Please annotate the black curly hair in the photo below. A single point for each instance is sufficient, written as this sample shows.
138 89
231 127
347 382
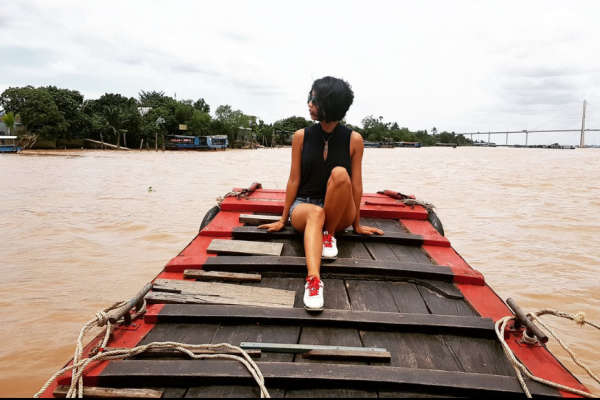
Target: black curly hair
333 98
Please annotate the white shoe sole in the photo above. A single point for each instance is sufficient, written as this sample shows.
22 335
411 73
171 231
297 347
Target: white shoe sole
328 258
315 310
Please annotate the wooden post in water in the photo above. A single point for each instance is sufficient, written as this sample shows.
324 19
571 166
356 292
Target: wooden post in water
582 143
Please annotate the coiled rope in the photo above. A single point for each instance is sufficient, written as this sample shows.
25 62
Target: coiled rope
221 199
522 371
79 365
414 202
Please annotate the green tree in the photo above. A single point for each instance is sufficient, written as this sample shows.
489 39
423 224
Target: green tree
184 113
153 98
114 121
201 105
9 121
199 124
40 115
14 98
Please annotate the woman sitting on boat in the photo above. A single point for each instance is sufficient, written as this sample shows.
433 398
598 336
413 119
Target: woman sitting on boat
324 189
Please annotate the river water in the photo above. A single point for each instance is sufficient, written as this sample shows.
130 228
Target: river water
80 230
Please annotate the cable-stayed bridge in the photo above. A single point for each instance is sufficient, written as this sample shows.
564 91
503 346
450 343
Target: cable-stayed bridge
572 120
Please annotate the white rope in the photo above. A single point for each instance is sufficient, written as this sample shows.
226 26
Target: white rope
79 365
221 199
414 202
522 371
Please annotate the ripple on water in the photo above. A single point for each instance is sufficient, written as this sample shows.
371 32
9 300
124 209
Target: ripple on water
77 240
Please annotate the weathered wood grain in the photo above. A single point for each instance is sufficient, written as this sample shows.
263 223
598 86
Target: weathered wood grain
390 321
298 376
172 353
231 392
220 276
252 233
347 355
303 348
219 293
107 393
254 219
220 246
342 268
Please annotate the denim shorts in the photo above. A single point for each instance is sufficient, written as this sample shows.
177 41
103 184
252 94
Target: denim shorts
304 200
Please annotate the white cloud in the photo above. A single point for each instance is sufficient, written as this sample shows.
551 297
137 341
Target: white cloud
459 66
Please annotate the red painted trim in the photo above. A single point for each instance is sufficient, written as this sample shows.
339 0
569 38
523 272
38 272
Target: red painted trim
487 303
122 338
222 225
425 229
367 211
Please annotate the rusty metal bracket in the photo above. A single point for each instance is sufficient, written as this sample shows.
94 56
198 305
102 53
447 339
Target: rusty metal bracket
531 329
249 191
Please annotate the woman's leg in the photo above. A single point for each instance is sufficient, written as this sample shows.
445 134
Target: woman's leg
309 219
340 209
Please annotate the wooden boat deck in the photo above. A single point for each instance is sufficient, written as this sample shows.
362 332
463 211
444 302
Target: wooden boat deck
383 292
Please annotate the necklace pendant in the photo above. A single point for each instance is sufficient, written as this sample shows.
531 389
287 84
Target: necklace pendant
325 150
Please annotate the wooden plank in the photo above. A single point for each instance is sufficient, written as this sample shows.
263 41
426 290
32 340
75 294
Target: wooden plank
333 337
371 296
172 353
275 206
342 268
347 355
481 356
181 333
291 284
417 351
231 392
252 233
478 327
254 219
220 276
220 293
444 306
296 375
304 348
237 334
330 394
107 393
219 246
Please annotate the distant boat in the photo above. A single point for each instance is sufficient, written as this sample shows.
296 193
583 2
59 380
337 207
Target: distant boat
8 145
484 144
438 144
181 142
409 144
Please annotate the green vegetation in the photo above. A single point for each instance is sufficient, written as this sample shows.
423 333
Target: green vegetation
9 121
52 114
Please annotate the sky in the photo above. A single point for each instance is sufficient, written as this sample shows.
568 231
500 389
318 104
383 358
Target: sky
462 66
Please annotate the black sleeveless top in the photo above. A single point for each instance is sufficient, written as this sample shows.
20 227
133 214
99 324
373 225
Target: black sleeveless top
316 171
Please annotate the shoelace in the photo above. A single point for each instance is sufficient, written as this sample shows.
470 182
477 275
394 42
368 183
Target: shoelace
327 242
314 285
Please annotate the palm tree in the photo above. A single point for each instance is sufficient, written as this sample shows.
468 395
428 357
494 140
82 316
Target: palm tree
9 121
113 119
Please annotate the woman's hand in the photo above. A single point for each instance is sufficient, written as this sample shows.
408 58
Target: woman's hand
274 227
367 230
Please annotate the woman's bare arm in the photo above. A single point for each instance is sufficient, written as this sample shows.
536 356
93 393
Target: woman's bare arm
293 182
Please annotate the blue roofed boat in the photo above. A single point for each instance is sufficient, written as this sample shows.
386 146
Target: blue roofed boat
182 142
9 146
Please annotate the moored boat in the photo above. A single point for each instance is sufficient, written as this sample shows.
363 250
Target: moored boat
9 146
405 316
182 142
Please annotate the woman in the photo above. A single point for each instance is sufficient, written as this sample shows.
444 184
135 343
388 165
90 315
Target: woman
325 186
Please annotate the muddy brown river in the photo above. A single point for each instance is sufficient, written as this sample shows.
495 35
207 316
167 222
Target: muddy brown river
80 230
